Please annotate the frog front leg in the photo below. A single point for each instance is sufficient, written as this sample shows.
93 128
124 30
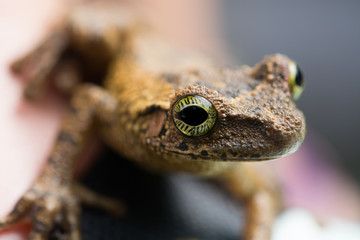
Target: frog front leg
256 186
37 65
54 199
79 48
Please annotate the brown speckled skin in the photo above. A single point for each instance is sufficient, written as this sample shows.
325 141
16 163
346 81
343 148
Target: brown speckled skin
257 119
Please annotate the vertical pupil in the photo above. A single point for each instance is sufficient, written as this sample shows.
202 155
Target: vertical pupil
193 115
299 77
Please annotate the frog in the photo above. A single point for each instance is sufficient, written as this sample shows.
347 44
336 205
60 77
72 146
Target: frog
166 108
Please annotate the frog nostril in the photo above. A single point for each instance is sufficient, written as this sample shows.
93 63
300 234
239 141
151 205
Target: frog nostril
270 131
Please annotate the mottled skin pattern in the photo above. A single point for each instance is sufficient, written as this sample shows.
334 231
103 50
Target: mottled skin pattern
257 118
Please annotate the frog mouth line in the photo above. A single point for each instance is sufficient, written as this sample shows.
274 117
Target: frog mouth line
225 159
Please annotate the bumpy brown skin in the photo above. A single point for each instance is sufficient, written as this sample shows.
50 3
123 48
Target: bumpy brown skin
257 119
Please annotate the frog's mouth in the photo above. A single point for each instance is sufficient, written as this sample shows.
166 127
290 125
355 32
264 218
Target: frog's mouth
234 152
231 155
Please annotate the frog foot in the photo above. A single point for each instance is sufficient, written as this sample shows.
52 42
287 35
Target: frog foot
39 64
56 212
49 208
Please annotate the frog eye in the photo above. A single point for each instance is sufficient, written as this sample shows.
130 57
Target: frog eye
193 115
296 80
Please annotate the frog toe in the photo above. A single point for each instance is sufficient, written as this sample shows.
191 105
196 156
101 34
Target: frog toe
42 218
73 220
21 208
54 214
56 219
90 198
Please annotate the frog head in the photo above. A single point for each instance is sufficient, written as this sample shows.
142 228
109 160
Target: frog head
244 114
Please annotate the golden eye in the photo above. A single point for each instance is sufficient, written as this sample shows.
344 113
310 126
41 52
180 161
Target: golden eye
296 80
193 115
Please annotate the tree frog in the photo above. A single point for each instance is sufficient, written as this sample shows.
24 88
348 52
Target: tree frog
165 108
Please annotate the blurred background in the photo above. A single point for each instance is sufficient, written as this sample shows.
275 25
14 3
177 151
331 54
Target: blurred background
323 37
